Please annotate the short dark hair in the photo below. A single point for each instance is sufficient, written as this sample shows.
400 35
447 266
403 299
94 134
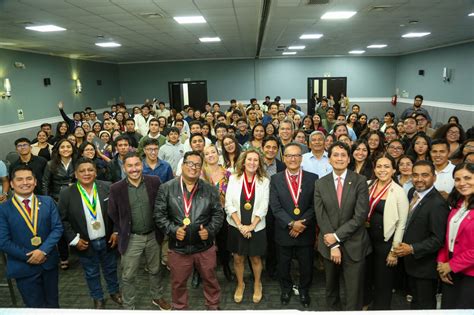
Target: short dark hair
145 105
292 144
241 119
178 121
194 135
173 129
195 122
440 141
192 153
220 125
330 109
83 160
21 167
121 138
151 141
130 119
425 163
419 96
23 139
130 155
45 125
339 144
270 138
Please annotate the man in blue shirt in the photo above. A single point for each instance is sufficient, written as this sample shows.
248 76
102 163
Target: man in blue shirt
316 161
152 165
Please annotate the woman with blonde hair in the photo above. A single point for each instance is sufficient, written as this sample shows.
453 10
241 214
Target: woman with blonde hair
246 208
215 174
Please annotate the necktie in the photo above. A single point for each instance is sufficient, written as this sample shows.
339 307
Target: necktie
413 201
339 190
26 202
294 182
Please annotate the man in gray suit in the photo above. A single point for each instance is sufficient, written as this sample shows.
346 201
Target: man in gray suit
341 202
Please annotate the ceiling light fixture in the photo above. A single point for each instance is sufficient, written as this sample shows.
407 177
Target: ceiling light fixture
311 36
377 46
415 35
356 52
108 44
7 44
297 47
471 14
338 15
189 19
78 86
45 28
209 39
289 53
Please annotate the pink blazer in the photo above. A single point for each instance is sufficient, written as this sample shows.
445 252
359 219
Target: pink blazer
463 251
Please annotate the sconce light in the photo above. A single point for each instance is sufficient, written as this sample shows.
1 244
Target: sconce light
78 86
8 88
446 74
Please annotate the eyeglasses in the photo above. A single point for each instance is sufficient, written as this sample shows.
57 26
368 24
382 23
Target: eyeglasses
22 145
292 156
151 150
191 164
396 148
453 132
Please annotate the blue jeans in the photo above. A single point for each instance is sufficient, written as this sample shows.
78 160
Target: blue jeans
92 264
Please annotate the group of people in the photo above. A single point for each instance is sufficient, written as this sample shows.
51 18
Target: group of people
265 183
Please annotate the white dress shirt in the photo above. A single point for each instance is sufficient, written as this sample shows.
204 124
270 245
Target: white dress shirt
93 234
444 178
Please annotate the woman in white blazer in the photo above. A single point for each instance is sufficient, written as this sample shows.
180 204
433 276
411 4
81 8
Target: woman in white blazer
388 211
246 205
42 147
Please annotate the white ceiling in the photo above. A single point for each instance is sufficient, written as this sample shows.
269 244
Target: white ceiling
236 22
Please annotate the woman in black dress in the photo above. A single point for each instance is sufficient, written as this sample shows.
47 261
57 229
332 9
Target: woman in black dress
246 205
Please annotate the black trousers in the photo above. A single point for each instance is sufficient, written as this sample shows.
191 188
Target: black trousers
353 275
304 256
271 256
459 295
424 293
221 241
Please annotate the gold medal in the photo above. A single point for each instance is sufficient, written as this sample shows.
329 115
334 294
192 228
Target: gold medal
96 225
297 211
36 241
248 206
186 221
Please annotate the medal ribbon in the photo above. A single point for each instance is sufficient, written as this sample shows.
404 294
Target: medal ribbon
374 200
90 206
31 220
187 202
249 194
294 195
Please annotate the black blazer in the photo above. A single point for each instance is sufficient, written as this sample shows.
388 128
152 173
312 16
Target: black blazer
72 213
425 231
282 206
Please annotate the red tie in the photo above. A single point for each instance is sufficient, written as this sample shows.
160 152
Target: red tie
294 182
339 190
26 202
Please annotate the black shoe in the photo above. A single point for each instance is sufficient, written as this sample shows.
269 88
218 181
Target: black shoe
99 304
228 273
305 299
196 279
285 298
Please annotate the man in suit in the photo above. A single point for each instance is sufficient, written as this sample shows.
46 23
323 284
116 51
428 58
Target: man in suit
88 229
341 201
424 235
291 201
131 207
30 228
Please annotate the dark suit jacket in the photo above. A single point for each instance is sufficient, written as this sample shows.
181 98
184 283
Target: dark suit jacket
73 216
425 231
15 237
348 222
120 212
282 206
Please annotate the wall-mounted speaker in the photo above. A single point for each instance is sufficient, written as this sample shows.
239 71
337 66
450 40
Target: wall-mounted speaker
421 72
47 81
99 82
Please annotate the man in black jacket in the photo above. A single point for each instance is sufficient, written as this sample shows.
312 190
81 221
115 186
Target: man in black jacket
88 229
188 210
424 236
292 204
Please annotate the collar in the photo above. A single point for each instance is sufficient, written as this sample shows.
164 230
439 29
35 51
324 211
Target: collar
425 192
130 185
447 169
343 176
325 155
20 199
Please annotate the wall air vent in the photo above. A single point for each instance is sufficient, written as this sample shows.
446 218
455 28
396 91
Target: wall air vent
311 2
